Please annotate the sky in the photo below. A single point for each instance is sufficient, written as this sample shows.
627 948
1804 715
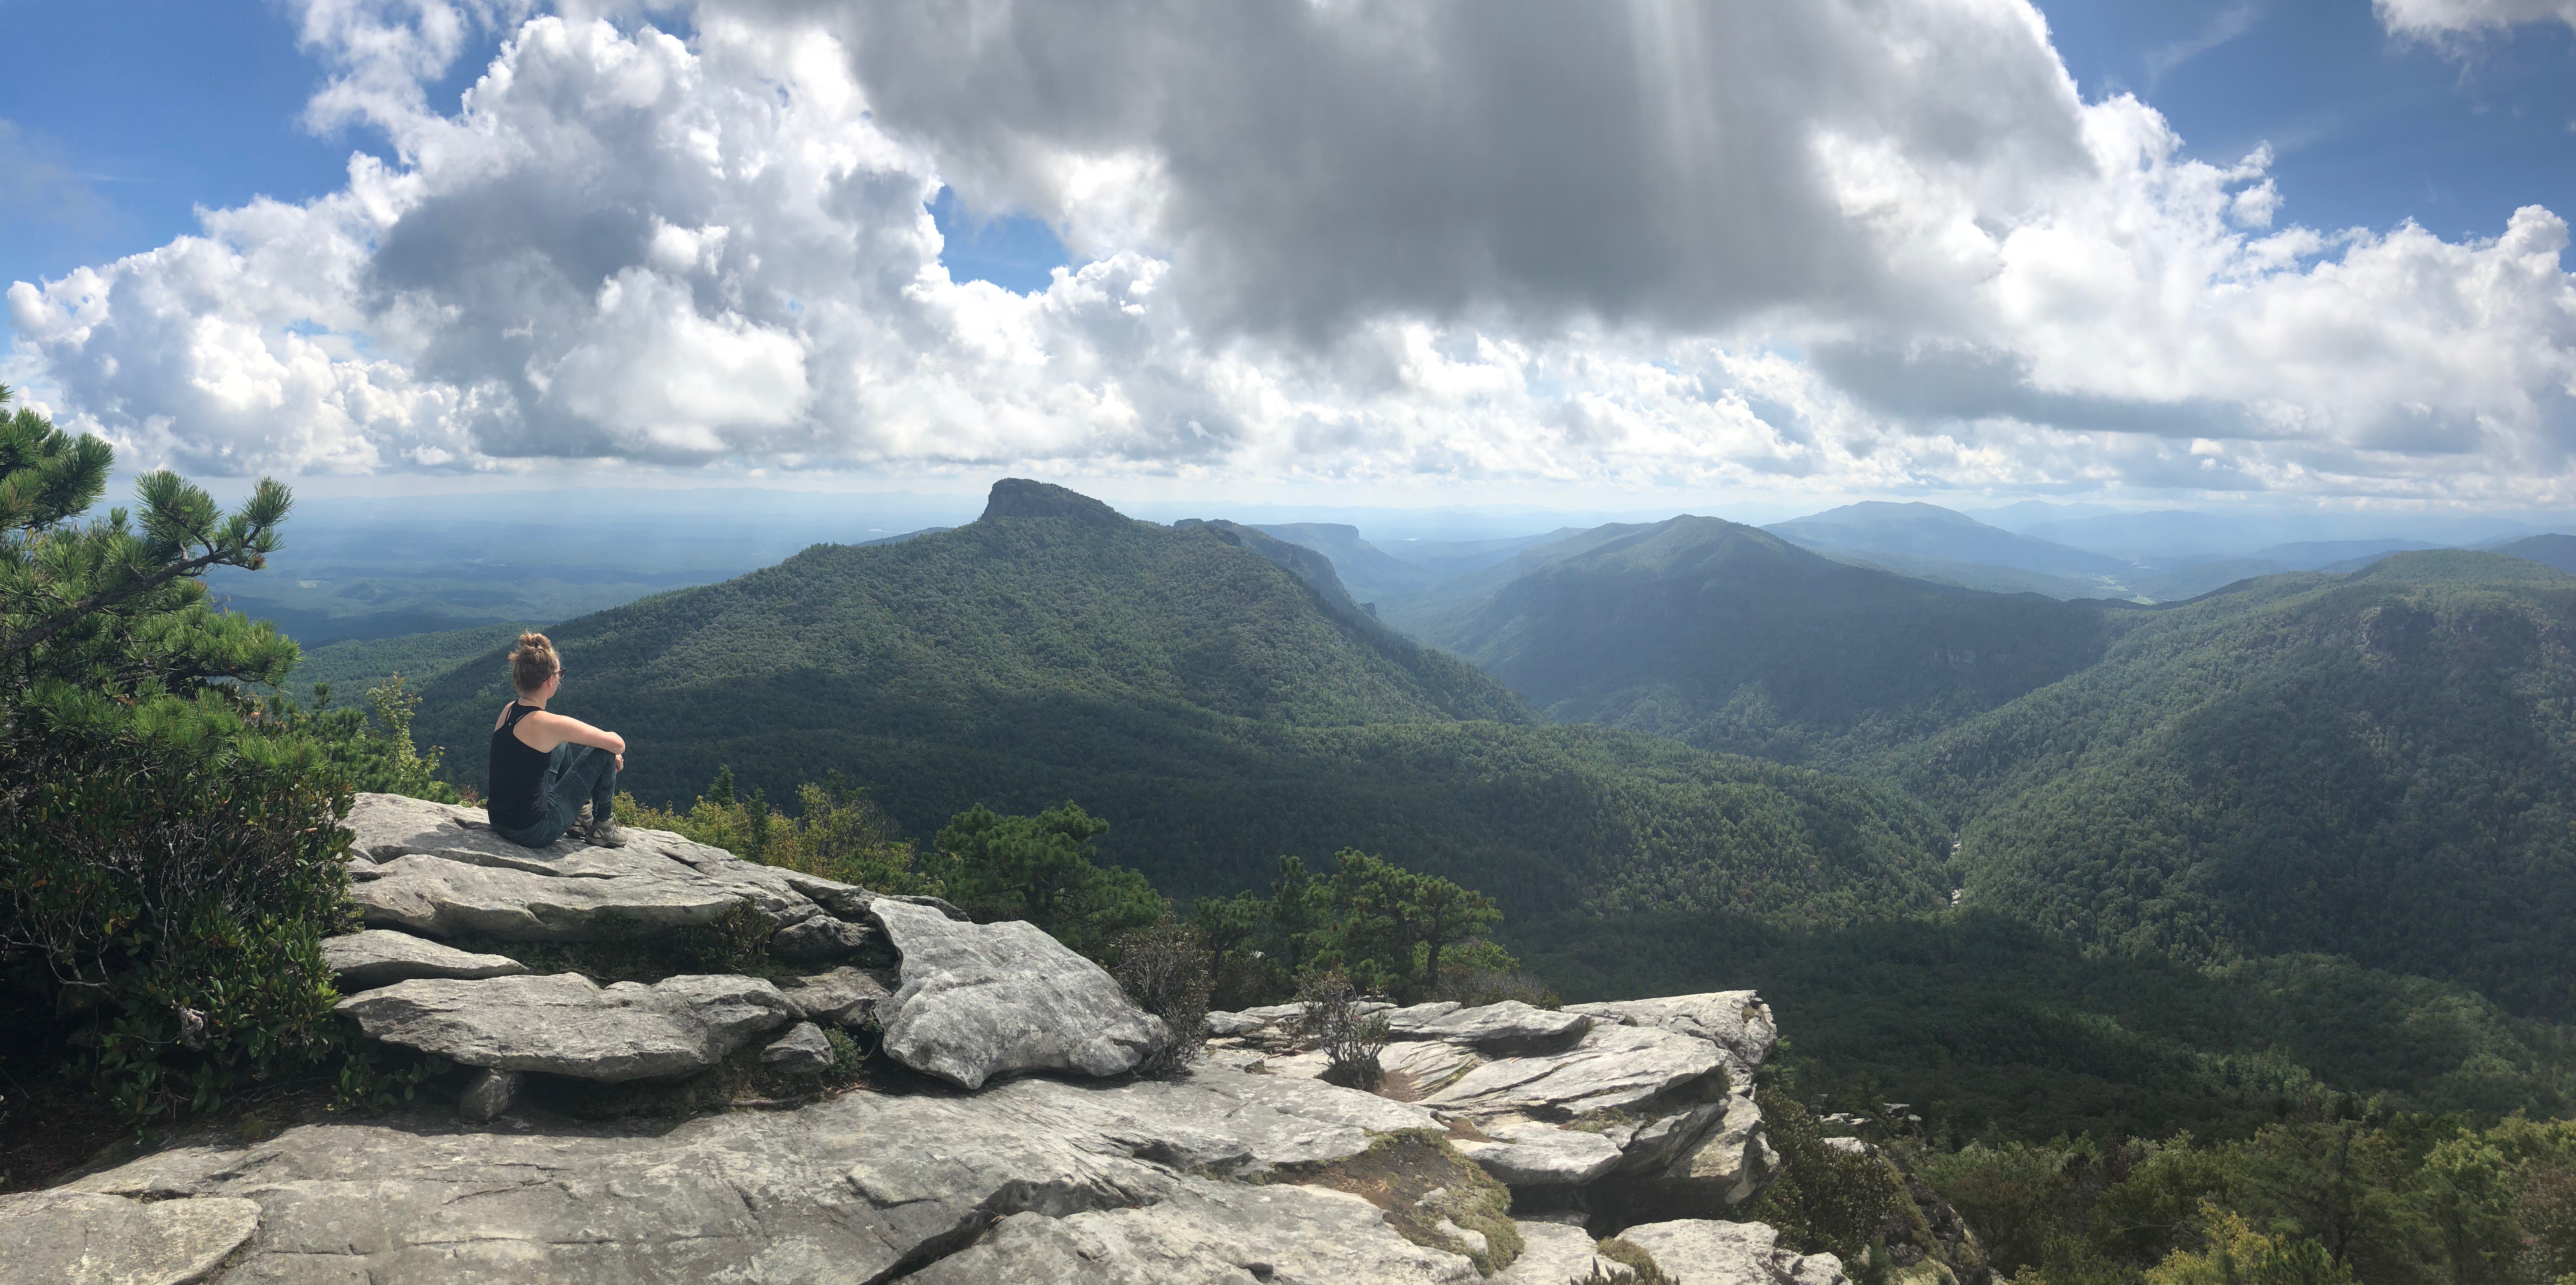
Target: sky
1605 255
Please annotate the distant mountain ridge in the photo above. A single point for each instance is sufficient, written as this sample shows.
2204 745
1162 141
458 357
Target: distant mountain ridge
1730 638
1928 531
1209 690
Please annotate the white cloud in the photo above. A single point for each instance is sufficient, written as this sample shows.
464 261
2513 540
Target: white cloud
2450 17
1821 247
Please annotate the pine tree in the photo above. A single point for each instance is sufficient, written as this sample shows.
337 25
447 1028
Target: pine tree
112 605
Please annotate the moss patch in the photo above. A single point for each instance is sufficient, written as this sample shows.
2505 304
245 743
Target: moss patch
1421 1181
1636 1260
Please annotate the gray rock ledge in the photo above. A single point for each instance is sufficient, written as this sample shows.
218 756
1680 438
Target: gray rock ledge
565 1024
380 957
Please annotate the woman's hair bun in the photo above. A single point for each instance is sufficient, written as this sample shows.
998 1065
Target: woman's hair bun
533 661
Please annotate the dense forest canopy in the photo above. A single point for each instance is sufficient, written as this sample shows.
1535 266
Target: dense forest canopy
2376 765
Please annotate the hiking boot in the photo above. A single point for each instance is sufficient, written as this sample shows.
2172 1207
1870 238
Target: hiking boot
604 832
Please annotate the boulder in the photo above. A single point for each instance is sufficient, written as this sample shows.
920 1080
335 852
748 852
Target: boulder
1508 1023
981 1000
842 997
1204 1232
1698 1251
1611 1066
1222 1025
860 1187
88 1238
380 957
490 1095
802 1051
1735 1021
1555 1254
1529 1154
565 1024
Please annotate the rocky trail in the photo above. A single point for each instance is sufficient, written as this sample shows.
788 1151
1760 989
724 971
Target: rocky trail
1008 1139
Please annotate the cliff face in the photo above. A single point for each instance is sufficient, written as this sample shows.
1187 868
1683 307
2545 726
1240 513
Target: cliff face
996 1135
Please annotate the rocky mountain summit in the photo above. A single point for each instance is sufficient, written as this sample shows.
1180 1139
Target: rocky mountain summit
1005 1136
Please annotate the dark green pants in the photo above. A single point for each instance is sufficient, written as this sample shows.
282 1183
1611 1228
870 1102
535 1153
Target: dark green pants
575 774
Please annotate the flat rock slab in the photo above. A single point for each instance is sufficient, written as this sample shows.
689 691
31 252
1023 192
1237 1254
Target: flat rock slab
89 1238
1736 1021
981 1000
1611 1066
1220 1234
1510 1022
842 1191
440 869
381 957
1542 1155
565 1024
1428 1063
1698 1251
1407 1023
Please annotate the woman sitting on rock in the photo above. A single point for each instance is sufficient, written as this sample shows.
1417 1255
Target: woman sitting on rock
546 766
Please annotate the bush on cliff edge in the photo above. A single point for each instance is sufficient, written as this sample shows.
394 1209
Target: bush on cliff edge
172 855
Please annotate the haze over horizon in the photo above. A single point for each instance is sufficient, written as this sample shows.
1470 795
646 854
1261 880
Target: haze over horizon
1657 257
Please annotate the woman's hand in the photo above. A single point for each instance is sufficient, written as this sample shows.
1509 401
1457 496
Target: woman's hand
621 762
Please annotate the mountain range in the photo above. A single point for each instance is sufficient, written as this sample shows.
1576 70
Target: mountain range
2346 792
1213 694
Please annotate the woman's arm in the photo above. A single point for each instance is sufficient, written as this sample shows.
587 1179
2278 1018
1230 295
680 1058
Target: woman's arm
560 729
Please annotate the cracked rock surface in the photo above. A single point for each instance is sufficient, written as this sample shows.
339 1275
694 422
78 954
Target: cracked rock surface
89 1238
861 1188
1220 1234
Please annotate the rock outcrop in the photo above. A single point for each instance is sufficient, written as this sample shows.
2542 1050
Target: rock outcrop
1643 1104
980 1000
1038 1160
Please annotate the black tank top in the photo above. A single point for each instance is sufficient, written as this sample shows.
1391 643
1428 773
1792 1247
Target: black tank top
517 784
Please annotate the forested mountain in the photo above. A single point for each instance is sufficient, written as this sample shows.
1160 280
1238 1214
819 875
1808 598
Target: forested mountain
1730 638
2554 551
1219 708
2380 765
1929 531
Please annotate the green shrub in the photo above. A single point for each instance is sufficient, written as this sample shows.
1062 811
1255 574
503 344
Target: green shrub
172 869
